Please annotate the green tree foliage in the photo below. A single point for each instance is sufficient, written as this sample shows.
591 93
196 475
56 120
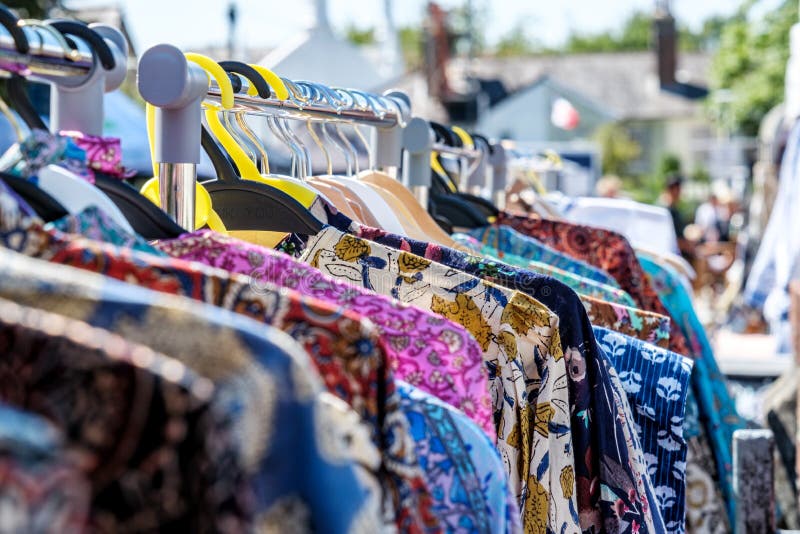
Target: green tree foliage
708 38
636 34
412 46
618 148
751 64
360 36
410 38
669 164
648 188
517 42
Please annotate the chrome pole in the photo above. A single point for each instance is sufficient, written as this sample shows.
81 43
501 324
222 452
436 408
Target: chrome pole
177 190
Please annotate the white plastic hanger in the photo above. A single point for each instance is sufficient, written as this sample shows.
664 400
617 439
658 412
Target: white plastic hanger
76 194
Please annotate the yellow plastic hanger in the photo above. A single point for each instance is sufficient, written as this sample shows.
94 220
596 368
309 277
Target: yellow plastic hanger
464 136
273 80
204 212
436 167
247 168
468 142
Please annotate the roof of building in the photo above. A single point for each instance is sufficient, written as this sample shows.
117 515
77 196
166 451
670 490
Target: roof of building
625 84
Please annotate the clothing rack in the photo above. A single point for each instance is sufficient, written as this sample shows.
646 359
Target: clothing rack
177 88
298 110
178 93
43 60
461 152
78 79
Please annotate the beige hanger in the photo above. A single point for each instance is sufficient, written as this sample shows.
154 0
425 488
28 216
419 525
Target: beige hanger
402 200
334 195
368 217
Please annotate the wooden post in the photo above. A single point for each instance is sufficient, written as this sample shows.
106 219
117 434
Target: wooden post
753 481
794 317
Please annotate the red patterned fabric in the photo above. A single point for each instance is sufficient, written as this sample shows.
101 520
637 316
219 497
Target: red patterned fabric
605 250
426 350
346 349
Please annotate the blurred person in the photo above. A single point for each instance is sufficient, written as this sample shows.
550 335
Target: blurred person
671 199
609 186
715 250
713 217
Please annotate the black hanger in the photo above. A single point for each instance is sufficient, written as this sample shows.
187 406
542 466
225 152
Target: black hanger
450 138
9 21
249 205
458 209
485 140
237 67
46 207
18 98
20 102
147 219
481 203
96 43
223 167
445 135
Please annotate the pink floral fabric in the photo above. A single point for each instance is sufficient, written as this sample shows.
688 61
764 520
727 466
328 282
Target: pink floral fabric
103 154
425 350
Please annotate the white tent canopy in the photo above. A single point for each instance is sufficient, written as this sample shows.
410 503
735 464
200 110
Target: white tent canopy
321 56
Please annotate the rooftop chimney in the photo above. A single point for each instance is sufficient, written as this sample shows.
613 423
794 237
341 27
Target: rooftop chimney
437 51
666 43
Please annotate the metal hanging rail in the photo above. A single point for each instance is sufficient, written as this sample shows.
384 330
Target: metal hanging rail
177 93
304 111
462 152
43 60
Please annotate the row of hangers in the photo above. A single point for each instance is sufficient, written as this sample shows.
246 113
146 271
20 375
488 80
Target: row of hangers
194 103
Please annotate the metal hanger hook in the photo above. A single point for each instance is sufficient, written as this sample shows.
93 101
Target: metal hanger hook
296 95
39 26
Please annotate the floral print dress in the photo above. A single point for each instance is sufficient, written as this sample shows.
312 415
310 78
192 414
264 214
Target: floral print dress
656 382
603 249
426 350
522 349
597 400
262 385
717 409
345 348
462 466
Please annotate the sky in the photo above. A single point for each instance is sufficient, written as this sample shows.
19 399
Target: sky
267 23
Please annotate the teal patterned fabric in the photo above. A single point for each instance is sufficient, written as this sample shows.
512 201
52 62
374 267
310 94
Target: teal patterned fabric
95 224
579 284
717 409
509 241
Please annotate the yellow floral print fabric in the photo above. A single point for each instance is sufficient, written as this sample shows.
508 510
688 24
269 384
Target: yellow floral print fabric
522 351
